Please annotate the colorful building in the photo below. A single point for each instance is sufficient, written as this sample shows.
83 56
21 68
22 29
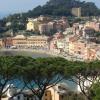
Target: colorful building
44 24
7 42
33 25
38 41
1 43
76 12
56 92
93 24
20 41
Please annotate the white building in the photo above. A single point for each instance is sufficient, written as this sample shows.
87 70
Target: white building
24 95
61 44
68 31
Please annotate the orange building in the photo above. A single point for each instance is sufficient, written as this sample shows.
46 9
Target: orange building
7 42
77 47
37 41
90 54
86 51
20 41
47 95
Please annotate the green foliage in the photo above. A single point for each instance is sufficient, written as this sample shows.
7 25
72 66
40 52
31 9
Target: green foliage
97 34
18 22
73 96
95 91
8 72
43 73
53 8
63 8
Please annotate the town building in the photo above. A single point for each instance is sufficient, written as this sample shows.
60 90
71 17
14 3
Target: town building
82 50
93 24
12 90
1 43
68 31
55 43
32 24
76 12
7 42
76 47
20 41
89 34
40 42
57 92
61 44
8 24
46 27
90 54
35 24
44 24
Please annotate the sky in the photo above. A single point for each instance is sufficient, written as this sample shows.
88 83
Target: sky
14 6
97 2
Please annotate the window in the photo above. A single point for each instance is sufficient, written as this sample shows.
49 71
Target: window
62 96
27 98
18 97
45 94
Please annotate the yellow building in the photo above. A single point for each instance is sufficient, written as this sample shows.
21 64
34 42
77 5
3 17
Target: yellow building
37 41
38 26
57 92
32 25
20 41
90 54
87 24
76 12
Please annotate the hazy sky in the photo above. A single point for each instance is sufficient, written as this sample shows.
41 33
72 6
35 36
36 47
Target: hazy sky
97 2
12 6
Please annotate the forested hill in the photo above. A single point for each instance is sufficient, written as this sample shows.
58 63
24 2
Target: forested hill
57 8
63 7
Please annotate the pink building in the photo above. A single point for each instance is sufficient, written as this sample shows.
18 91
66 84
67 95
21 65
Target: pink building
90 54
53 43
80 48
58 35
77 48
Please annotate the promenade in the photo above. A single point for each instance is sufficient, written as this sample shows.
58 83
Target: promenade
43 52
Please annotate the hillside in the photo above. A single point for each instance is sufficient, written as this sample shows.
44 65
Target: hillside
63 8
52 8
